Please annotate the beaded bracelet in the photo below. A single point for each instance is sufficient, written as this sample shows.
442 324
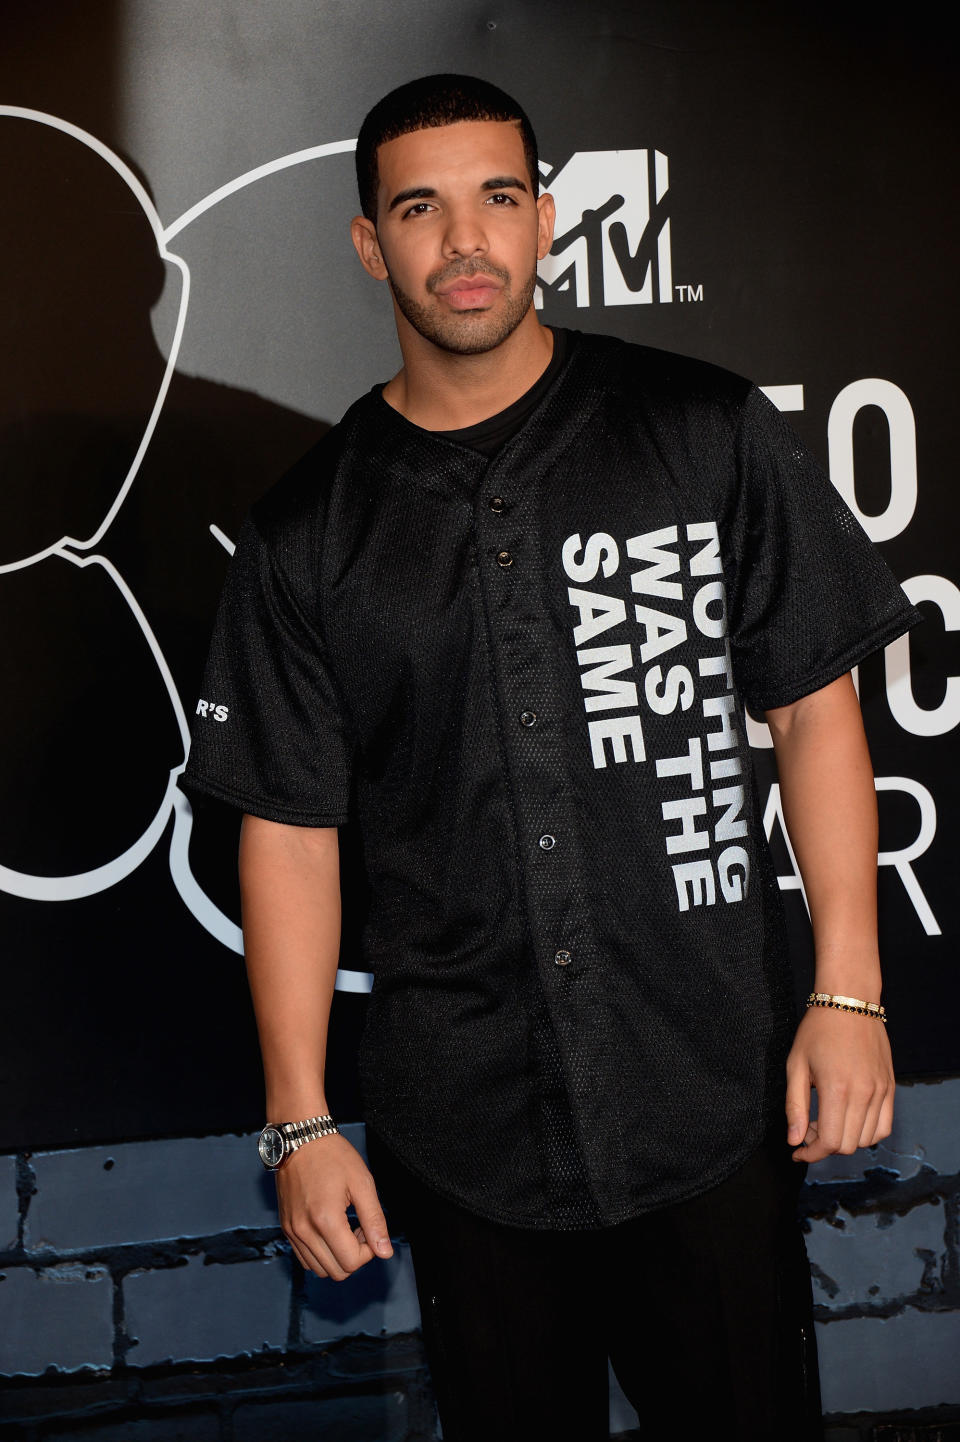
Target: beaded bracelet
848 1003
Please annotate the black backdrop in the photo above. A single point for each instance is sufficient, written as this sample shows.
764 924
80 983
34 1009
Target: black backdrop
783 172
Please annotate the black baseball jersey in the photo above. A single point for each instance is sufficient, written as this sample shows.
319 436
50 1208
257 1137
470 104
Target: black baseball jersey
523 679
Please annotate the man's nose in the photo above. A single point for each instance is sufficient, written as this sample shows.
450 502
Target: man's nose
465 233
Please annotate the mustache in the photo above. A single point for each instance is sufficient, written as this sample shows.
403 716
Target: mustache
463 270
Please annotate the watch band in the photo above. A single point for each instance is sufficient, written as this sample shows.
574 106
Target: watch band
297 1133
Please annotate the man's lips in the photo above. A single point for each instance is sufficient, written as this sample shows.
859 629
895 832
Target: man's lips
469 291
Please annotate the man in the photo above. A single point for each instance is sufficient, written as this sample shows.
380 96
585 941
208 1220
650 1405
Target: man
504 617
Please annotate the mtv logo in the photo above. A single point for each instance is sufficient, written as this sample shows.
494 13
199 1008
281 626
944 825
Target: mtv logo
612 238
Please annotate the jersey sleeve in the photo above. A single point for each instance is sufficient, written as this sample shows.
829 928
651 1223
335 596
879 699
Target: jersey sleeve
269 734
810 595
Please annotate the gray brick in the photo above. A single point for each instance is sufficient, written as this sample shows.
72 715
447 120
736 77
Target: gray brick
379 1299
150 1191
187 1427
924 1134
622 1415
874 1251
145 1191
194 1313
355 1132
9 1206
906 1361
377 1418
926 1122
62 1317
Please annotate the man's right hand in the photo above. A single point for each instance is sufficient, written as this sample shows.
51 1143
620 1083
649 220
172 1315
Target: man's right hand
315 1186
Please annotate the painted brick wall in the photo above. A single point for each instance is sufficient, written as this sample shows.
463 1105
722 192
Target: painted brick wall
884 1246
147 1284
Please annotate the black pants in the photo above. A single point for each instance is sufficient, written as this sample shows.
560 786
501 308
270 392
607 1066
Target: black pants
703 1308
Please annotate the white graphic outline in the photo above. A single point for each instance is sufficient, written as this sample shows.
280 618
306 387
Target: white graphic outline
174 802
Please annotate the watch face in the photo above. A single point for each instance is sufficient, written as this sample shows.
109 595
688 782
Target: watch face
271 1147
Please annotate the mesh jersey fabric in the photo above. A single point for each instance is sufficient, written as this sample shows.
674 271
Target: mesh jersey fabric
564 1175
533 712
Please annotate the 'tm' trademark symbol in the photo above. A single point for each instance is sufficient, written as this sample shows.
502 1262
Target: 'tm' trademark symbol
689 292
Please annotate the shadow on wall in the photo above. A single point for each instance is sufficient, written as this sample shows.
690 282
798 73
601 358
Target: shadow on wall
81 374
110 572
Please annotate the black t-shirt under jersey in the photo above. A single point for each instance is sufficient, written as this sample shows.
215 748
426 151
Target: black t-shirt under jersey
490 435
523 678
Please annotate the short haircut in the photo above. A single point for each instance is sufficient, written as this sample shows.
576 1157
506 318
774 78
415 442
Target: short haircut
434 100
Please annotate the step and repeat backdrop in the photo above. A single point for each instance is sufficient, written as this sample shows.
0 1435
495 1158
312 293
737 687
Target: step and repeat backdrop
764 186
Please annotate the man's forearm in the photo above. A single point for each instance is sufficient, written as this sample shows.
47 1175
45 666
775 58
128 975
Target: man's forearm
829 804
290 891
830 808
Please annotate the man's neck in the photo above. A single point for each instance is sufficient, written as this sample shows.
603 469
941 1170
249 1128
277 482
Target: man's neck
442 391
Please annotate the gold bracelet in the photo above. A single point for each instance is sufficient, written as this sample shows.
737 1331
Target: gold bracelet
848 1003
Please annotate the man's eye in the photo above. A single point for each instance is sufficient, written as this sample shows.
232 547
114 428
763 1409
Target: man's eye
421 208
501 198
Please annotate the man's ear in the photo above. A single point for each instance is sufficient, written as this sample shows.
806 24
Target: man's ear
363 233
547 213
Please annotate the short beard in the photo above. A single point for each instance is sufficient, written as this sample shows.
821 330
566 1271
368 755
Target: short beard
468 332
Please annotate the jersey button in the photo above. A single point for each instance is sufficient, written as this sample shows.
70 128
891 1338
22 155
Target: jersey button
504 558
528 718
548 842
497 504
563 958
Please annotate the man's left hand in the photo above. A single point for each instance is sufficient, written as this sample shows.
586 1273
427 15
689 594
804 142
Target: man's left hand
847 1058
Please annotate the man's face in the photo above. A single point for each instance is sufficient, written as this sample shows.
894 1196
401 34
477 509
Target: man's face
460 232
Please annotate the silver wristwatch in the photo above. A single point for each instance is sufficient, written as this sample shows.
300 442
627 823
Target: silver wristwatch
276 1143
